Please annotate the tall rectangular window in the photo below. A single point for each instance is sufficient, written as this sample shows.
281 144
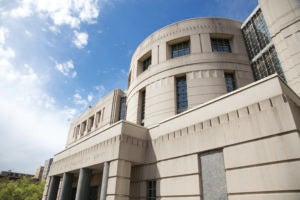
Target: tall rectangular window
90 123
76 131
151 190
220 45
143 103
146 63
98 118
180 49
122 111
213 176
181 94
230 81
82 128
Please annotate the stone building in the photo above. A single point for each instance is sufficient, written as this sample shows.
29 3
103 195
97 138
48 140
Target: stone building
46 170
212 111
39 173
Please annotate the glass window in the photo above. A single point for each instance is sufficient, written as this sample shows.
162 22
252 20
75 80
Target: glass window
251 40
267 64
143 102
122 112
180 49
261 29
146 63
151 190
181 93
220 45
230 81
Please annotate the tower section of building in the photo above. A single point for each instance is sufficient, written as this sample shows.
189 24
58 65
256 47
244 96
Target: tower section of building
183 65
282 19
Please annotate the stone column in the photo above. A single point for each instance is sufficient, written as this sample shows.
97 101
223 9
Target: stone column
104 181
118 185
83 184
53 188
66 190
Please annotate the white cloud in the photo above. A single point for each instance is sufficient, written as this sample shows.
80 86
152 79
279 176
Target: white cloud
6 52
3 33
66 68
70 113
62 12
54 29
90 97
81 39
88 10
84 102
74 74
23 11
28 33
100 91
29 119
78 100
100 88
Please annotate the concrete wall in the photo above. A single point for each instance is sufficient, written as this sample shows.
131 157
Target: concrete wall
121 140
104 113
259 139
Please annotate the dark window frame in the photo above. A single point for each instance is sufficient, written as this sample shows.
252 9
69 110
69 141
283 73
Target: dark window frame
220 44
143 104
230 81
151 190
180 49
122 108
146 63
181 94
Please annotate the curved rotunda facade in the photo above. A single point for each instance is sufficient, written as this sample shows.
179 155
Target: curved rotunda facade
184 51
211 112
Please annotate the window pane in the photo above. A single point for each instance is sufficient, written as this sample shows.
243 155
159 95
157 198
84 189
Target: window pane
180 49
143 102
220 45
230 82
122 112
146 63
267 64
151 190
181 93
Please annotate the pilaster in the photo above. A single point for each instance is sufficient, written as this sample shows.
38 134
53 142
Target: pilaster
119 180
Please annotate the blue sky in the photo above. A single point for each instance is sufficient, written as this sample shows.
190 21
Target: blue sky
57 57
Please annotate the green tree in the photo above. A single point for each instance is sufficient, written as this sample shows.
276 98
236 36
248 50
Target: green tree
22 189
